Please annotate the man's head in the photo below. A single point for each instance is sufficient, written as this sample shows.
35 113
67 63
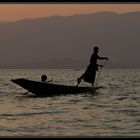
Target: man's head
43 78
96 49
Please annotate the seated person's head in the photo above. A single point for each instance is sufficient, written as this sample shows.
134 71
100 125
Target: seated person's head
43 78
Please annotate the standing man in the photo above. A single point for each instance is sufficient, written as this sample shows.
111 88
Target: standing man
90 73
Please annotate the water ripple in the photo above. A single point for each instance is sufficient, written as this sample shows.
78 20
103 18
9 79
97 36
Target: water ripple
113 111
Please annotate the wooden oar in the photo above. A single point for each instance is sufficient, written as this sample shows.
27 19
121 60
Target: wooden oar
99 73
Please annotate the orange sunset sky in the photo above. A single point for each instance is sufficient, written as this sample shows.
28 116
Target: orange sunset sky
12 12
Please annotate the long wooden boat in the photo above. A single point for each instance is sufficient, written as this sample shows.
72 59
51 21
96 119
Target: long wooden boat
49 89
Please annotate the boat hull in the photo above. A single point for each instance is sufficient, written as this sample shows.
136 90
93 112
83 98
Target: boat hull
48 89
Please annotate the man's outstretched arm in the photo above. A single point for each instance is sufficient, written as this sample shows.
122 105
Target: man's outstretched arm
102 58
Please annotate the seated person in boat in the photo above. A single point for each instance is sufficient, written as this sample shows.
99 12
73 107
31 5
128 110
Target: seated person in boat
44 79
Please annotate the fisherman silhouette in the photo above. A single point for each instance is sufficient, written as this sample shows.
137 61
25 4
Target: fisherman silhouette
90 73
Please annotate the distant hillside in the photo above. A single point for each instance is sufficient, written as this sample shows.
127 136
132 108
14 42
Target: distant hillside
1 22
67 42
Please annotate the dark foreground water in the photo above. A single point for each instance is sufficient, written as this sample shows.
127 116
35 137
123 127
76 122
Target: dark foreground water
112 111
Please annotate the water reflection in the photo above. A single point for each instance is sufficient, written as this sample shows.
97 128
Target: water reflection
112 111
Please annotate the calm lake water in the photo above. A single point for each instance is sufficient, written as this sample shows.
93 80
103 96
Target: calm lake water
113 110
